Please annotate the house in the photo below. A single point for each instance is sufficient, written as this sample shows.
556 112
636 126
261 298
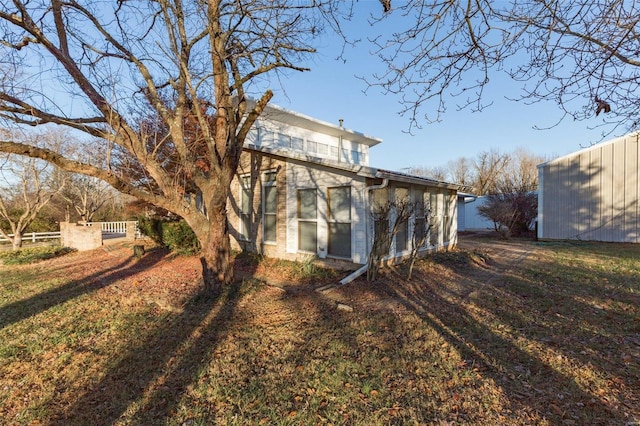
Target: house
469 219
304 188
592 194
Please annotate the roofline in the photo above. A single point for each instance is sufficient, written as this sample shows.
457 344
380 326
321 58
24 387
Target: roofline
591 148
359 170
329 128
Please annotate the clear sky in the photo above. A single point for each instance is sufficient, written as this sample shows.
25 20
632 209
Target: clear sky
331 91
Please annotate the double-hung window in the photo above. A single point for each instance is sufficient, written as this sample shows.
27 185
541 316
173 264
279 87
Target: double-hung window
340 221
245 207
308 220
402 225
269 207
420 222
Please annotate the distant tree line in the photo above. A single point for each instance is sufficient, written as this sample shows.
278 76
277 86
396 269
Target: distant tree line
508 180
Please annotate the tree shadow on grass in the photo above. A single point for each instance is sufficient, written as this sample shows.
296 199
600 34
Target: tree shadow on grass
26 308
147 381
530 384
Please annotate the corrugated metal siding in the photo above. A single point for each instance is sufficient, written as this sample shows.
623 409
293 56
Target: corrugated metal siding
592 194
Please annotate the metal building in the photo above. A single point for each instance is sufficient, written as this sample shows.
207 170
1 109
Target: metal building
592 194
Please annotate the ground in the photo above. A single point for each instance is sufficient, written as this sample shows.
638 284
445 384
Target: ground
497 332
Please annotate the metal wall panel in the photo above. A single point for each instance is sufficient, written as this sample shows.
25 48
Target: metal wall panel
592 194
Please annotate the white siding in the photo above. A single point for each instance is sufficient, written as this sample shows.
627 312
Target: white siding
592 194
301 176
269 134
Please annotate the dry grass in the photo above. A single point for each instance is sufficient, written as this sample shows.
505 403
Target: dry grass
497 333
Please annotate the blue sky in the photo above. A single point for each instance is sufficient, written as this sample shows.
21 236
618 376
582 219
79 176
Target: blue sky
331 91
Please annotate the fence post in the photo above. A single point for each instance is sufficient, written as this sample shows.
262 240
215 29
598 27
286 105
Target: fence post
130 227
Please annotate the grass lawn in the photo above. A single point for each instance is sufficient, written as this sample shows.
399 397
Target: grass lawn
497 332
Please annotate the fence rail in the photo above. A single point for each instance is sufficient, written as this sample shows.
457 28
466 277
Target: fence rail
108 228
111 227
34 236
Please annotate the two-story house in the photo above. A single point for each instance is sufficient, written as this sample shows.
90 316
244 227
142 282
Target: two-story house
304 187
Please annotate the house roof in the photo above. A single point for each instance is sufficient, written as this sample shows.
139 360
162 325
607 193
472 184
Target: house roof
635 135
359 170
282 115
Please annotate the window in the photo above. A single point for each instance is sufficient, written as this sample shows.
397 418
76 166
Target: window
297 144
312 147
334 152
380 213
284 141
356 157
340 221
323 149
420 219
402 230
253 136
269 207
245 207
307 220
267 138
435 217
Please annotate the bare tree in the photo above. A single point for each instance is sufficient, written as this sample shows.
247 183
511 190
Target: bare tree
26 187
580 54
87 195
192 65
488 166
461 171
389 217
437 172
420 235
512 204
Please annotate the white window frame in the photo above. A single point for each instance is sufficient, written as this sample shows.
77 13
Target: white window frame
331 220
245 234
306 220
269 184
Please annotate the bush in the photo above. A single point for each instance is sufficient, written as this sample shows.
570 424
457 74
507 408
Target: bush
152 228
31 255
512 213
176 236
180 238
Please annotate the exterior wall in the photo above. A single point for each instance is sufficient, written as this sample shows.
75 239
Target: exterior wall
442 215
80 237
301 176
468 217
592 194
293 175
254 164
278 135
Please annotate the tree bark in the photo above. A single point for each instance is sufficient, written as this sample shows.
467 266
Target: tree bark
215 254
17 241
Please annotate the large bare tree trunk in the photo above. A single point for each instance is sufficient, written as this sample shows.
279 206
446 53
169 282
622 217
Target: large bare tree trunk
215 255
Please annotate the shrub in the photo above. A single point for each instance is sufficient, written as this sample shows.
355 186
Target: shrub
179 238
33 254
512 213
152 228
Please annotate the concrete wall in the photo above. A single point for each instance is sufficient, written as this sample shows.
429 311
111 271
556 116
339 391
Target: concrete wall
80 237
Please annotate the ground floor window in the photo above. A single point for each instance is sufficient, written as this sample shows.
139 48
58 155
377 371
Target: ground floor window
245 207
402 212
339 216
269 207
420 223
307 220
